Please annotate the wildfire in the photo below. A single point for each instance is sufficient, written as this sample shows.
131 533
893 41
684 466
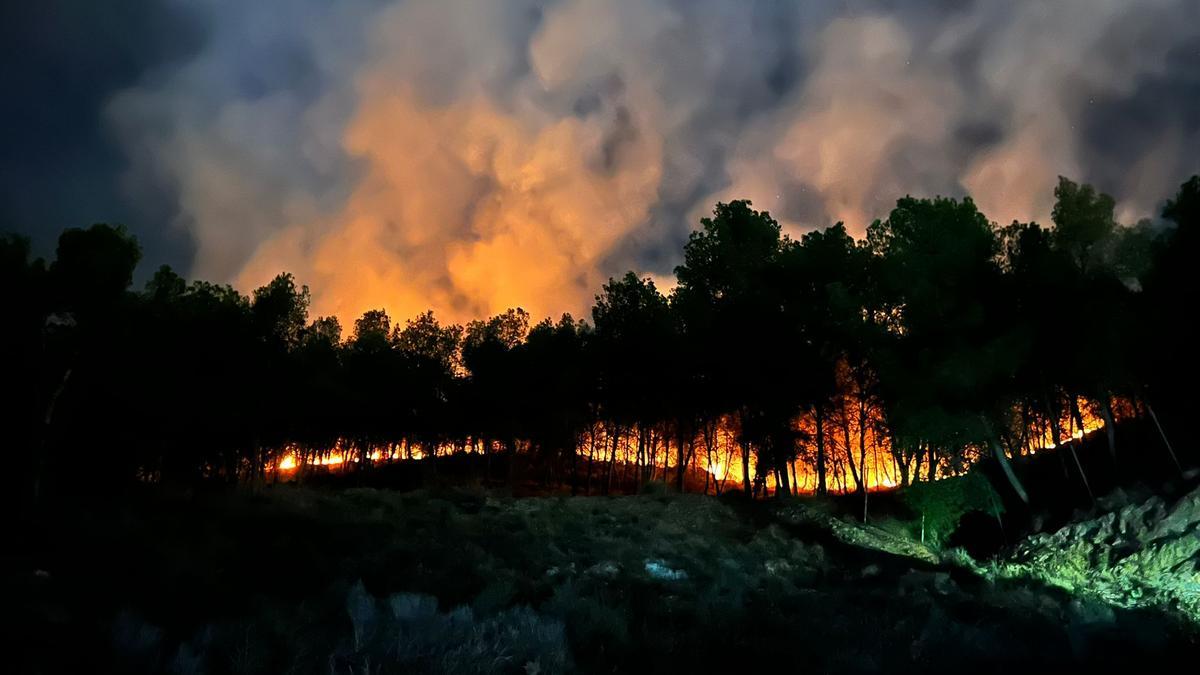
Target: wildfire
717 469
857 450
1071 428
342 455
292 461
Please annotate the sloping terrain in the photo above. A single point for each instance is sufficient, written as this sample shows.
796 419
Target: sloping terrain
295 580
1144 554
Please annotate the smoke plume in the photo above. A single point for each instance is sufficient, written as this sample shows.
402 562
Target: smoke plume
474 155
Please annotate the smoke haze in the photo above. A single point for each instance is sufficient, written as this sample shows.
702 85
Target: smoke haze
473 155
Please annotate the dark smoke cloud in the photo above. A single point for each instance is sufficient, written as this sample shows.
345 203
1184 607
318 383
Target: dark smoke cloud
59 165
474 154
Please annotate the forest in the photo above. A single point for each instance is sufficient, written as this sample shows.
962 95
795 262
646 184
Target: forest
950 444
776 365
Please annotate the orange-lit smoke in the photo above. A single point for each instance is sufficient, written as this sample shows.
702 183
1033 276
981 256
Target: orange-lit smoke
467 210
474 204
468 156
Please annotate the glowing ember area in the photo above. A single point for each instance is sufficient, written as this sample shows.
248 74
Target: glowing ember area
344 454
1078 419
292 460
850 440
856 451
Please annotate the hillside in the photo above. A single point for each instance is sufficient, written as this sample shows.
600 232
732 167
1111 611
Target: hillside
297 580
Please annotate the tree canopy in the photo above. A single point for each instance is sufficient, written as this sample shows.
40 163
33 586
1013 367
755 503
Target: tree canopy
938 340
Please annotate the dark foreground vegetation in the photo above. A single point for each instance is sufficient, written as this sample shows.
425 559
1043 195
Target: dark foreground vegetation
466 581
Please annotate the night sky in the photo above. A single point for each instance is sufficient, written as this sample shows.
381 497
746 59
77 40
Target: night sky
470 155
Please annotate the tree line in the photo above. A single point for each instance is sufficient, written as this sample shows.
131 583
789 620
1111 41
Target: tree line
939 339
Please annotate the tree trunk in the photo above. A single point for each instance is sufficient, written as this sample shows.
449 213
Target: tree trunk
866 494
1163 434
652 441
1058 442
606 487
640 460
708 428
746 469
781 478
1005 466
1086 485
1077 415
681 460
1024 447
862 449
1055 427
587 486
819 413
855 469
691 462
901 460
573 448
1110 427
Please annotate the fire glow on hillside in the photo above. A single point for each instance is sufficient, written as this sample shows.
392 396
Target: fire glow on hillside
854 452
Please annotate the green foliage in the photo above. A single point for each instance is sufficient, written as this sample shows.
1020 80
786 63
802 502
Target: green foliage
939 505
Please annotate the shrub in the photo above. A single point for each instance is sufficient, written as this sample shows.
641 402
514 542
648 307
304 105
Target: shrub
939 505
407 633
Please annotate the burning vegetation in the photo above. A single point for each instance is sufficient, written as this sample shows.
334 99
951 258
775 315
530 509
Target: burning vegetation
857 453
823 364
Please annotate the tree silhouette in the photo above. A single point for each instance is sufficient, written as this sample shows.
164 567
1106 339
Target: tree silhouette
939 339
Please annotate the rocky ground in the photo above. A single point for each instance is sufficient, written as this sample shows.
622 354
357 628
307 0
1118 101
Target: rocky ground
1140 554
296 580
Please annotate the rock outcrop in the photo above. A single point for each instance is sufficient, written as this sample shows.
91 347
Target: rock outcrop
1143 555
